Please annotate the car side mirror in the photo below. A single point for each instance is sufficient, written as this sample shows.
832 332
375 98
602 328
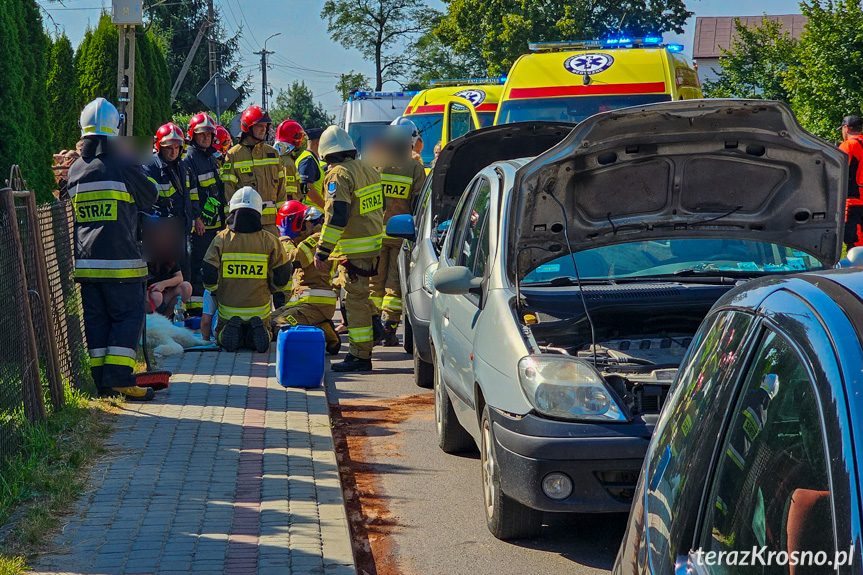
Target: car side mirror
402 227
457 280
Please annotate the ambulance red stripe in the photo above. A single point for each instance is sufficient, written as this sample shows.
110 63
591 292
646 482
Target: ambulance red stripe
591 90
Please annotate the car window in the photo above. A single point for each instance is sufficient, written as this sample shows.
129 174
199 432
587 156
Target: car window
420 212
479 268
771 487
459 221
475 224
710 363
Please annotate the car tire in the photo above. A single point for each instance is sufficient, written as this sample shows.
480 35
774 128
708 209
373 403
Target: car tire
451 436
507 519
423 372
408 343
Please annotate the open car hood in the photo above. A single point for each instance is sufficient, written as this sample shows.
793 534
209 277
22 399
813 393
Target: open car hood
722 169
462 158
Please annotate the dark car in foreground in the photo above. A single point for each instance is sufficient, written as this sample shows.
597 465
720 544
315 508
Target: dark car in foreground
755 463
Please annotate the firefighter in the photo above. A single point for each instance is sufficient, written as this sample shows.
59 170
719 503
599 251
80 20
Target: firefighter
222 142
255 163
352 232
312 171
107 188
206 188
313 301
852 144
289 136
402 177
416 140
239 268
170 175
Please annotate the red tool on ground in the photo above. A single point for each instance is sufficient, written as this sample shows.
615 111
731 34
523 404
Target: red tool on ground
158 379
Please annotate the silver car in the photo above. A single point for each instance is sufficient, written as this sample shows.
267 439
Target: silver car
570 286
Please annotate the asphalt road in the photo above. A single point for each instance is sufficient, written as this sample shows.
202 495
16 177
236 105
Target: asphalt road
429 504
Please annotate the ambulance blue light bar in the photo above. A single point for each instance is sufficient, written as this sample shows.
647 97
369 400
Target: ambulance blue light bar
623 42
467 81
380 95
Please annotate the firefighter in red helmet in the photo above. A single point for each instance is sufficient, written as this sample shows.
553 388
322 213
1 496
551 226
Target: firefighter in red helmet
289 137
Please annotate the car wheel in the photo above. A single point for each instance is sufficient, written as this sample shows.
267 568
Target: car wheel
409 337
506 518
451 436
423 372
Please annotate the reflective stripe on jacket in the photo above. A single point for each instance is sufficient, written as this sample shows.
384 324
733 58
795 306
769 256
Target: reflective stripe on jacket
257 166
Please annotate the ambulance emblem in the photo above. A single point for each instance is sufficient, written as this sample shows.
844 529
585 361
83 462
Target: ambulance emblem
588 64
475 97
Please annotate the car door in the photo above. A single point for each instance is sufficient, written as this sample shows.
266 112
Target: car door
461 313
459 118
778 492
411 251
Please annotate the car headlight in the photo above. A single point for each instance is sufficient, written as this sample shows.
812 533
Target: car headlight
428 283
567 388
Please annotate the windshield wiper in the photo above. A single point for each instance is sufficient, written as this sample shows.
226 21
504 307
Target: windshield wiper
709 272
567 281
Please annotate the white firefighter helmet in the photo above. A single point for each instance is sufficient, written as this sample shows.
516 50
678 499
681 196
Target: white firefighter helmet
403 121
246 197
335 140
99 118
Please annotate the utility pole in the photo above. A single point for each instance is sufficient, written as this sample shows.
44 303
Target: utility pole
264 87
215 58
126 14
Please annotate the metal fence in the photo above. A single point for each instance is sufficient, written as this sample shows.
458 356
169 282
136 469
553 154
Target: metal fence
42 346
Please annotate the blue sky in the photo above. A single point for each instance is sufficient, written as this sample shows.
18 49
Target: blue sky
305 51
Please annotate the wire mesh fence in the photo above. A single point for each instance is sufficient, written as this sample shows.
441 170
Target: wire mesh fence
42 347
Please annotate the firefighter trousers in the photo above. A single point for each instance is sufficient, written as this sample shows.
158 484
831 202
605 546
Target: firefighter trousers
113 318
359 309
200 245
386 290
317 315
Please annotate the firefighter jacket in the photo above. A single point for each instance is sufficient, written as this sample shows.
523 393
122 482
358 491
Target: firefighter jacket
401 184
243 265
309 285
853 146
257 166
292 178
353 214
107 190
317 185
206 188
172 181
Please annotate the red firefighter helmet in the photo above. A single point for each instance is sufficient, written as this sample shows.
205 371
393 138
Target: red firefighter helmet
291 132
252 116
168 134
222 141
202 122
291 215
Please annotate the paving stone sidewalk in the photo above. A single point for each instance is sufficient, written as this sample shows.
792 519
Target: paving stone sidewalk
225 472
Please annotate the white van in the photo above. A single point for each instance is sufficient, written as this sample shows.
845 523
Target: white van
366 112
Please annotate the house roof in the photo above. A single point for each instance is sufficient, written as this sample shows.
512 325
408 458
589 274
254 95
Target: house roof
714 33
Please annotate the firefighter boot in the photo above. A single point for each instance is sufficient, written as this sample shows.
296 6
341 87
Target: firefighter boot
260 335
352 364
230 336
390 337
378 332
334 342
131 393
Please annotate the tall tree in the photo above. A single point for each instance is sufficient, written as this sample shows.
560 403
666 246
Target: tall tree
827 81
176 24
502 29
351 82
298 103
62 94
378 29
431 59
756 64
96 64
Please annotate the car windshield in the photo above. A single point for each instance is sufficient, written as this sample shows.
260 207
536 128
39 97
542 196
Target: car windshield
430 127
571 109
361 132
682 257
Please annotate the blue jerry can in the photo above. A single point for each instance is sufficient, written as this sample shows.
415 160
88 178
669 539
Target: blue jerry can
300 357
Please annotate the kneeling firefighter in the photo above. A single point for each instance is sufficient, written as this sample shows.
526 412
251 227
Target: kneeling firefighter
352 232
313 301
239 267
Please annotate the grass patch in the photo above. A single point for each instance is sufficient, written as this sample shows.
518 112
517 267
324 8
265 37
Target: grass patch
45 479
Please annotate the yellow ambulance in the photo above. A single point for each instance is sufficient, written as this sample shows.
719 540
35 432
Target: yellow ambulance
427 108
570 81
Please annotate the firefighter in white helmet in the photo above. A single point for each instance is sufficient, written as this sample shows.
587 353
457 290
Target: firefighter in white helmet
240 266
